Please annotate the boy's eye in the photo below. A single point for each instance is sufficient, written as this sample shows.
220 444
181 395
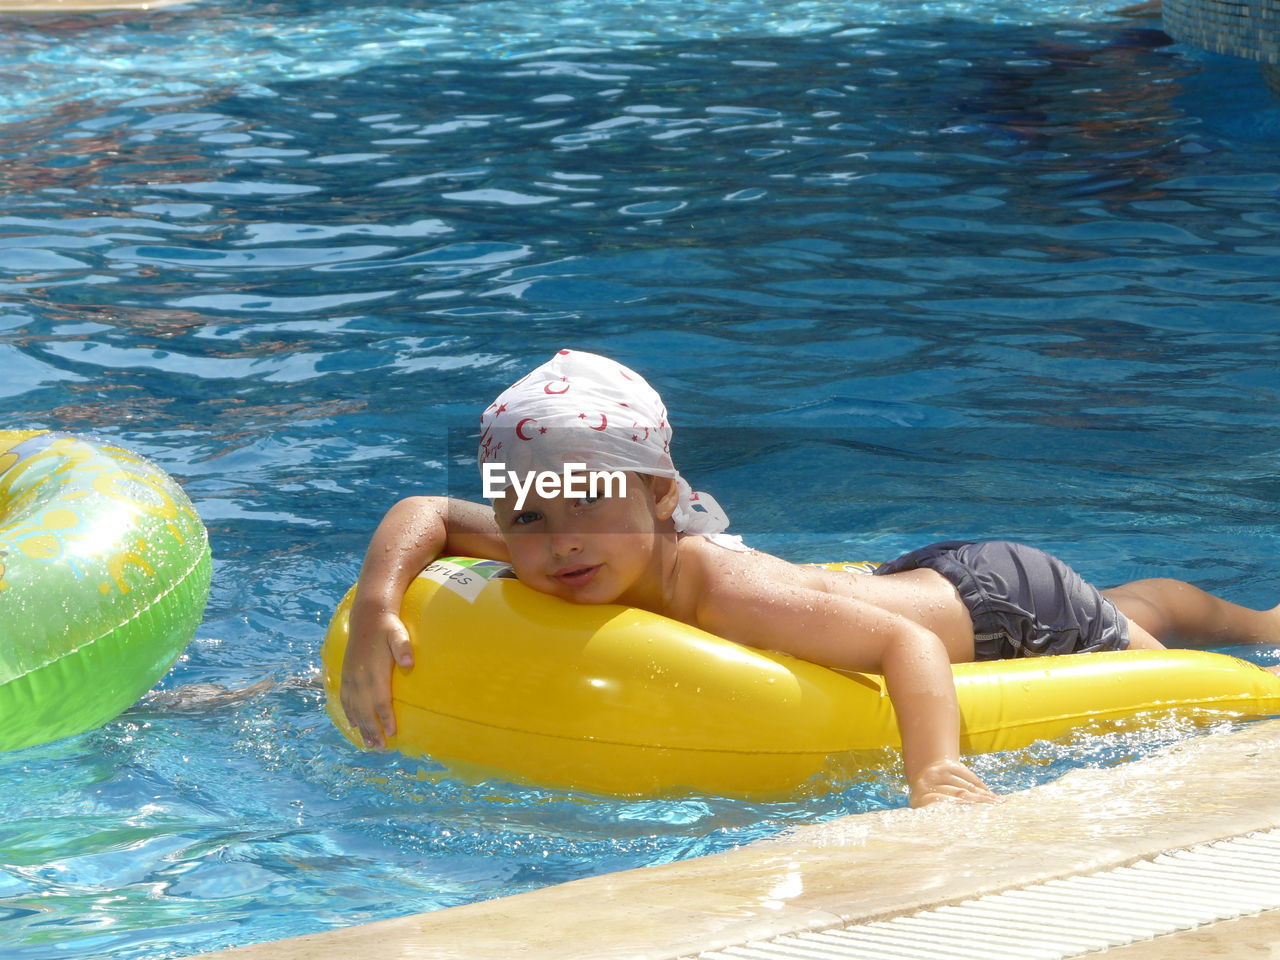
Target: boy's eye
585 501
525 518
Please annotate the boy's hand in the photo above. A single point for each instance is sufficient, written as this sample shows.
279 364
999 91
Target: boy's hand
950 780
378 640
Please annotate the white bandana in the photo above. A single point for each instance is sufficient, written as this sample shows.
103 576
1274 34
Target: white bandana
583 408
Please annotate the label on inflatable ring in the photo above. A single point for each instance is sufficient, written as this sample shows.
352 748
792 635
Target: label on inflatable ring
466 577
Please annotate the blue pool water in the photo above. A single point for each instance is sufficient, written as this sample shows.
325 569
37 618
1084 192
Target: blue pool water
902 270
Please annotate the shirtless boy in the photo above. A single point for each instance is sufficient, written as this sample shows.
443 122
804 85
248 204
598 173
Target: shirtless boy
651 542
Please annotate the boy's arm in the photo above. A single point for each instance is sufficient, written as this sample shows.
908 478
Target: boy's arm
838 631
412 534
918 677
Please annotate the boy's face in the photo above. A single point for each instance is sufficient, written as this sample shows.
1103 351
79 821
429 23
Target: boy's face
589 549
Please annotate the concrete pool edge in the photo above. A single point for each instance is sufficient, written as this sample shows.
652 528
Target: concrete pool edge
857 868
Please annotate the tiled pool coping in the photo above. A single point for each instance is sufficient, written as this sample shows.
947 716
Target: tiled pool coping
1240 28
857 868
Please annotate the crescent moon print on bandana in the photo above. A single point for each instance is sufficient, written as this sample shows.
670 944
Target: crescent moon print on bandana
627 429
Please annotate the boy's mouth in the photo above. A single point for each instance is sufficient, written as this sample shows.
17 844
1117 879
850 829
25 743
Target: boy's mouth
576 575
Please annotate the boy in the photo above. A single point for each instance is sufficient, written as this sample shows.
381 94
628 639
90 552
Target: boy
643 538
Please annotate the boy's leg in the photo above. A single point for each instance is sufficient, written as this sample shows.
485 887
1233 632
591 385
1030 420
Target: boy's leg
1139 639
1171 610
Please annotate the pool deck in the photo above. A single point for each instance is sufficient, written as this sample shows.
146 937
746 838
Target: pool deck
868 867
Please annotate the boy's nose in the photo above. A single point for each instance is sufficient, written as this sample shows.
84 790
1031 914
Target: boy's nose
565 544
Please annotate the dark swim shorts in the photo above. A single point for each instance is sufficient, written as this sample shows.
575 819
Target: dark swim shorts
1024 602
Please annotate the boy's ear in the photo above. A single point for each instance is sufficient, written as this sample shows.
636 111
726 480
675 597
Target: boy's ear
666 496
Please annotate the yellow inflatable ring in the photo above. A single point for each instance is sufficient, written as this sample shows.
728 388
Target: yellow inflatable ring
513 683
104 573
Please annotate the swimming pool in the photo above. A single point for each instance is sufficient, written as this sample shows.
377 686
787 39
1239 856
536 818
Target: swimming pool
901 271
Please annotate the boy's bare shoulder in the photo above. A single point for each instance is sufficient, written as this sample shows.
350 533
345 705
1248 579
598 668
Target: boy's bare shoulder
718 584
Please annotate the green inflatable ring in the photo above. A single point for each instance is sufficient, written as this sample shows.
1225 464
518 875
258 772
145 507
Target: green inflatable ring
104 574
